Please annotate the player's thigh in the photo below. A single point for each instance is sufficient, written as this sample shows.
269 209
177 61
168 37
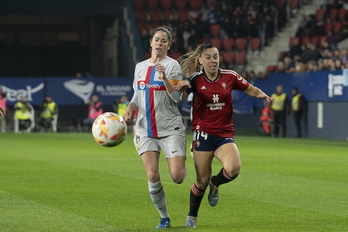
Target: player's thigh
203 161
177 168
150 160
228 155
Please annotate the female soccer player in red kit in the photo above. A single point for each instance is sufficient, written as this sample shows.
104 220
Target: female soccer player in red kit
212 125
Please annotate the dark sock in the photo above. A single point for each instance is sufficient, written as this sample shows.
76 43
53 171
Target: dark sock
196 196
222 178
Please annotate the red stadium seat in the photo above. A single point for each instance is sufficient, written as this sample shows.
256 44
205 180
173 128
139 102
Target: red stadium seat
166 4
333 15
280 4
138 4
241 44
305 40
175 55
271 69
336 27
227 44
180 4
228 57
255 44
241 58
210 3
156 16
294 41
315 40
216 42
294 4
141 16
152 4
327 27
281 55
195 4
182 16
215 30
342 15
319 14
169 15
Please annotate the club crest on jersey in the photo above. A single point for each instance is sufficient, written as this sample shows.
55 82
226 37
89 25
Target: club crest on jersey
224 85
142 85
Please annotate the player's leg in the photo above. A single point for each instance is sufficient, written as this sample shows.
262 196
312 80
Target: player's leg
174 148
228 155
203 161
157 194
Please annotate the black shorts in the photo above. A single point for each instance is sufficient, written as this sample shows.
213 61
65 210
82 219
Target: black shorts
204 142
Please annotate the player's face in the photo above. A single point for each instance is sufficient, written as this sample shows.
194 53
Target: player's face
160 44
210 60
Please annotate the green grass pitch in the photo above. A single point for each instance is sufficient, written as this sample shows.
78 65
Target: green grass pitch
67 182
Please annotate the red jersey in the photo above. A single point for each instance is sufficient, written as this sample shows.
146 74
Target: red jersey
212 102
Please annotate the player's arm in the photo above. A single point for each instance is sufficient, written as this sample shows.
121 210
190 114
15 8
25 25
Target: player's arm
175 95
258 93
2 111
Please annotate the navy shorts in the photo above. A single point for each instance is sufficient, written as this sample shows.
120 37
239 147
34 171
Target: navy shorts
204 142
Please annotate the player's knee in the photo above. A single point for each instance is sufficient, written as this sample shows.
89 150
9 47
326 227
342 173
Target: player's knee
179 177
153 177
233 172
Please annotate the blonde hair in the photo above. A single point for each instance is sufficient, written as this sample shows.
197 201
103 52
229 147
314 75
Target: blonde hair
190 61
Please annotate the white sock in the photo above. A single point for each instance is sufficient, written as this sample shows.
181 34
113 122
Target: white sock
158 198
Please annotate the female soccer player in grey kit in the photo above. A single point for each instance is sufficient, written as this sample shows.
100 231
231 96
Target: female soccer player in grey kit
212 125
159 124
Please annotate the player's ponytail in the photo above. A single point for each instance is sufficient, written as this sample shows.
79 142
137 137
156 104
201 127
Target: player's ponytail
190 61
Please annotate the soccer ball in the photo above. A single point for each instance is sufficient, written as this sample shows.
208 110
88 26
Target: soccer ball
109 129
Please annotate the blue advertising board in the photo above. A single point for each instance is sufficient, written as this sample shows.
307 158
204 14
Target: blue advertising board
32 88
66 91
324 86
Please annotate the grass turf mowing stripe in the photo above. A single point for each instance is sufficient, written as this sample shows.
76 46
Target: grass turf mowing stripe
285 185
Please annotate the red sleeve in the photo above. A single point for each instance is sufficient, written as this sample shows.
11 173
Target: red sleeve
240 83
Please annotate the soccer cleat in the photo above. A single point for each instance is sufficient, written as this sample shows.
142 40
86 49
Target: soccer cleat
191 221
164 223
213 196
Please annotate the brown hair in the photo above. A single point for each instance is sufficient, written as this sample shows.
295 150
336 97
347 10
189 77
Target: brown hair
190 61
166 29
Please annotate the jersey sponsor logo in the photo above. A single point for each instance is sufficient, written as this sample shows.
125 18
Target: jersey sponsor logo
215 98
216 105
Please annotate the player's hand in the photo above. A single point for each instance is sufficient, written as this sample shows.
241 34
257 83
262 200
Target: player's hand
161 71
268 98
181 84
128 115
2 111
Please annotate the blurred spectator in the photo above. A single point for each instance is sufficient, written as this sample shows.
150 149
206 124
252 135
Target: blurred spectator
344 55
95 108
266 119
300 66
239 30
298 109
122 105
49 115
280 107
3 101
252 26
23 116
